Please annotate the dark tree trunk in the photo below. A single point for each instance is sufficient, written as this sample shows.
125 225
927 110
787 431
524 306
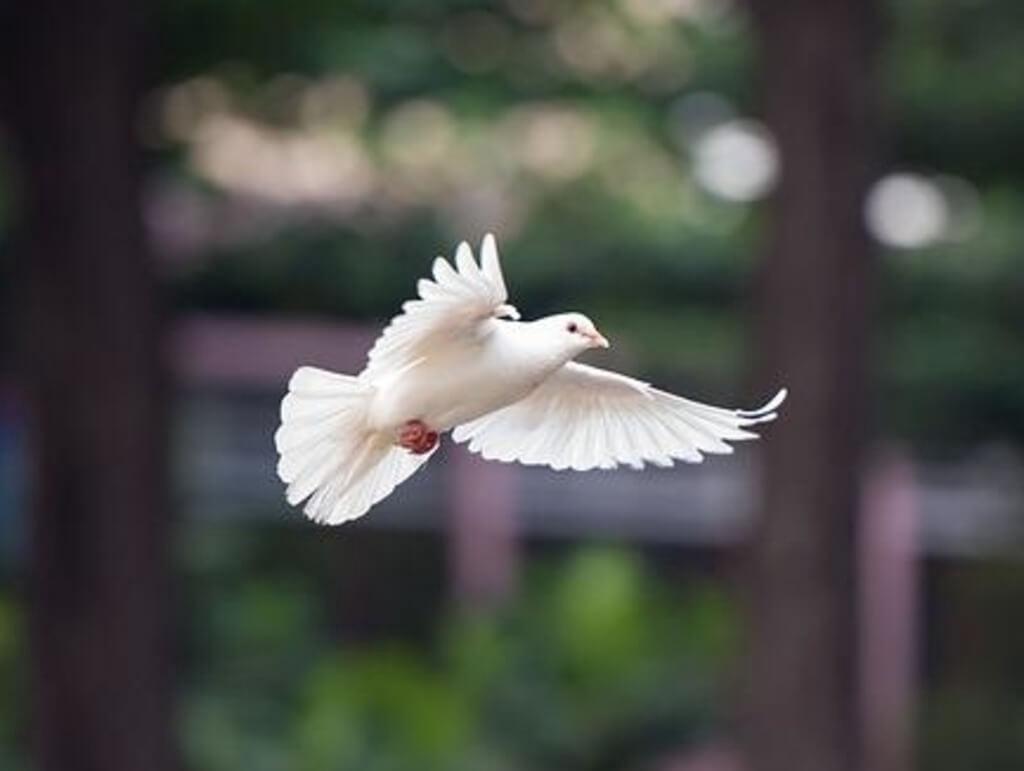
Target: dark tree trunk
816 65
91 351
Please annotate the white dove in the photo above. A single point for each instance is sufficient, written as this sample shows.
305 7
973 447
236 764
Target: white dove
459 358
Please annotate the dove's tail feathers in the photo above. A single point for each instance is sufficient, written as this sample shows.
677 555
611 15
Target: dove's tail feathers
378 469
328 453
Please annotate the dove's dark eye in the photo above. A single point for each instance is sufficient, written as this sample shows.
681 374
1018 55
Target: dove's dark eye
572 327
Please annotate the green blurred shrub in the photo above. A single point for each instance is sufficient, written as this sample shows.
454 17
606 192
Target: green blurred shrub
13 726
598 665
973 711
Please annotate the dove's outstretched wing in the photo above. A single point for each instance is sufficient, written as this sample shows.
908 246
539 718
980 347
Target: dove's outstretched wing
583 417
448 311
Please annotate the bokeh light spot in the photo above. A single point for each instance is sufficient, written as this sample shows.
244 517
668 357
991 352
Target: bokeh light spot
906 211
736 160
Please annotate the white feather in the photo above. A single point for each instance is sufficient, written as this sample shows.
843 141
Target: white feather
449 308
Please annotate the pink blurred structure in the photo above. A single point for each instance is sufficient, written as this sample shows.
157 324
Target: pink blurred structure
889 608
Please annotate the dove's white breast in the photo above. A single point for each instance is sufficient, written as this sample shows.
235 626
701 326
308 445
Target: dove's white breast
459 382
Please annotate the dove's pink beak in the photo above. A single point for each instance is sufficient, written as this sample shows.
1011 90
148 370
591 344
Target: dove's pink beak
597 340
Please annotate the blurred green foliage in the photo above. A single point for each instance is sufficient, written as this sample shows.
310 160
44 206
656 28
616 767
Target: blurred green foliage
597 665
13 719
600 663
973 716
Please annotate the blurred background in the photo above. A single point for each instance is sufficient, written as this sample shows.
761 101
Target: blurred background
198 196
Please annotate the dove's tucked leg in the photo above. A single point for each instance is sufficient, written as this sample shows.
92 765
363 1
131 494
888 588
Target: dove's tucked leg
417 438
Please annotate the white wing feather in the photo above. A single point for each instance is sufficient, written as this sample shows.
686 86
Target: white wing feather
583 417
449 310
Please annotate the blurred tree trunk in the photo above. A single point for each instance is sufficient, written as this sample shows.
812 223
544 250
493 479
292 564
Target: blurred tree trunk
91 343
817 78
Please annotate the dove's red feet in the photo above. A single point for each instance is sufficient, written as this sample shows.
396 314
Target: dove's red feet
417 438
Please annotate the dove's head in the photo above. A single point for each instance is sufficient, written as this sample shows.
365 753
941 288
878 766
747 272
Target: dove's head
575 332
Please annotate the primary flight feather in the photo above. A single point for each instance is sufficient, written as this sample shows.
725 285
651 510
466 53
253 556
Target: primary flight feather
458 357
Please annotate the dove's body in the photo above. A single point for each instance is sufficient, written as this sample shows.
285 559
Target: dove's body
458 383
509 389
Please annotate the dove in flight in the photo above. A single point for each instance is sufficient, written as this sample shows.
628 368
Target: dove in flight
459 357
